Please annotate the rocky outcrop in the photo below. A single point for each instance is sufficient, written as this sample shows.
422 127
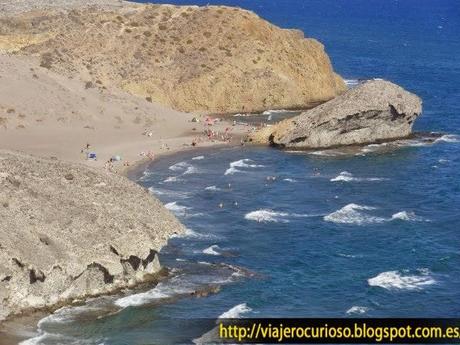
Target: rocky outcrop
69 231
207 59
374 111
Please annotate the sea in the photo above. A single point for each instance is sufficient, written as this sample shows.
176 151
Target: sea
373 232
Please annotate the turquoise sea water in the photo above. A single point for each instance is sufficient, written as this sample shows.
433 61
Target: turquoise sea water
374 233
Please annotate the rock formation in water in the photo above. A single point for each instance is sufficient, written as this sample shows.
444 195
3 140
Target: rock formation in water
208 59
69 231
374 111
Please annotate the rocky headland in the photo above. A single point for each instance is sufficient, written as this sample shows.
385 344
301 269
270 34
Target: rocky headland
374 111
212 59
68 232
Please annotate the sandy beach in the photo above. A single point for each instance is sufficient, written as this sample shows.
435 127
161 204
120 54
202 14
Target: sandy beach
45 114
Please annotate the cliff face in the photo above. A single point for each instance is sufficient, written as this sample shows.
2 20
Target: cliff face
373 111
210 59
68 231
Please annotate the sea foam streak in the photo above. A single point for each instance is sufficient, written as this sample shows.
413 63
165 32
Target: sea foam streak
395 280
171 179
345 176
352 214
179 166
448 138
191 170
182 285
176 208
169 193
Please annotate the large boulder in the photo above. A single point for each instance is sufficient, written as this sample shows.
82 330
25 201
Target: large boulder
374 111
68 231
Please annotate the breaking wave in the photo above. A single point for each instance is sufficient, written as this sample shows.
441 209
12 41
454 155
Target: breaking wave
176 208
263 216
198 158
357 310
266 216
212 250
236 312
353 214
356 214
396 280
171 288
448 138
345 176
242 163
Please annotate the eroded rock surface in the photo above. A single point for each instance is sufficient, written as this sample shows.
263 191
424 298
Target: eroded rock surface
374 111
206 59
69 231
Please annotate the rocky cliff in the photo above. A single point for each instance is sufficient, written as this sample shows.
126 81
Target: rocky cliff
207 59
69 231
374 111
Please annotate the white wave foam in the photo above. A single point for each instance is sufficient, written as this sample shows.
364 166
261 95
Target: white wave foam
60 316
236 312
352 82
179 166
212 337
198 158
242 163
171 179
212 189
231 171
395 280
345 176
176 208
350 214
407 216
191 170
273 111
412 143
51 338
448 138
173 287
189 233
245 163
291 180
212 250
357 310
349 256
326 153
169 193
263 216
